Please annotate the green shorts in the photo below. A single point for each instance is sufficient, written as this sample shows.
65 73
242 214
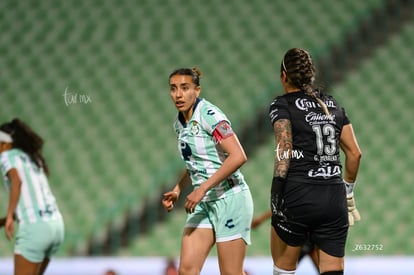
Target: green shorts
37 241
230 217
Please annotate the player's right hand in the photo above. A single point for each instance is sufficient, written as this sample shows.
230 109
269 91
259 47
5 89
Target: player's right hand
169 198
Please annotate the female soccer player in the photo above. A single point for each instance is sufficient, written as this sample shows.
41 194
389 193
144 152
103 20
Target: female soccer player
308 195
220 206
25 171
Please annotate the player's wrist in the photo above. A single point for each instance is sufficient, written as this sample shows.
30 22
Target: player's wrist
349 186
204 188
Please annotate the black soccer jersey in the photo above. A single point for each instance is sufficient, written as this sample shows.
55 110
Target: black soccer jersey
315 153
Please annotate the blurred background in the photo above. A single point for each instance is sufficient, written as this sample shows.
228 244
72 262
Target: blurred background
91 77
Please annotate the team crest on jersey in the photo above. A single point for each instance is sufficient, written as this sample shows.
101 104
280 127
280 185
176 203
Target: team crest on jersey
195 128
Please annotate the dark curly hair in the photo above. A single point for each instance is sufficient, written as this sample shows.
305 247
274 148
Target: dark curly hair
27 140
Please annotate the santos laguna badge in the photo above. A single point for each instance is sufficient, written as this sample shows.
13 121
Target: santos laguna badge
195 128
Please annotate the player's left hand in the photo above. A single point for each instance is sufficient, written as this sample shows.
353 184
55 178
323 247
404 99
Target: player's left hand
353 213
9 228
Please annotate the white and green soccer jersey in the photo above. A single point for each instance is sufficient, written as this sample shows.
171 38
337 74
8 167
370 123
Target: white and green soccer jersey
36 202
202 154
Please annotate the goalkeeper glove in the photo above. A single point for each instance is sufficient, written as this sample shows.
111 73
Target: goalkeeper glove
353 213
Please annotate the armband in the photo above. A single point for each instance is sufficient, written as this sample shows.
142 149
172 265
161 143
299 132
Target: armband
222 131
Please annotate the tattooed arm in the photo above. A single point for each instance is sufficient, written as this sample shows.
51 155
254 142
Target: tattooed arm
283 137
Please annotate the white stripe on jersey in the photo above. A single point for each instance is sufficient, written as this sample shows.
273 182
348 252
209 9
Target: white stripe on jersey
35 196
25 198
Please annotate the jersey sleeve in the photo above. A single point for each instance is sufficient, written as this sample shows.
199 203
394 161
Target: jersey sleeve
344 115
346 118
278 110
212 117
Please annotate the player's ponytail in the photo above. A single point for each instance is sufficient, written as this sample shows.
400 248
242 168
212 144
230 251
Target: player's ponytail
316 95
299 68
25 139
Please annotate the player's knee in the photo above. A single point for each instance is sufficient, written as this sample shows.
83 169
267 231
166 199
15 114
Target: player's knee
279 271
188 269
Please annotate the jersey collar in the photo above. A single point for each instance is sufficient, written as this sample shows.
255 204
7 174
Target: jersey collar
181 116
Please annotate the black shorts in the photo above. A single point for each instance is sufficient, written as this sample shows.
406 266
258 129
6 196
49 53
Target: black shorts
317 213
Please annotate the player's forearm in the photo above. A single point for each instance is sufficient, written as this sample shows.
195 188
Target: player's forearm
283 138
352 166
15 188
281 168
352 152
236 157
233 162
183 182
14 197
266 215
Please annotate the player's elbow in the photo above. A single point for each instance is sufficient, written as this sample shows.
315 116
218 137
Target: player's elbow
355 155
242 158
358 155
239 158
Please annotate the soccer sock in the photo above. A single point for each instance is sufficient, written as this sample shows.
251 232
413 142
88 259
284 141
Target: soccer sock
279 271
338 272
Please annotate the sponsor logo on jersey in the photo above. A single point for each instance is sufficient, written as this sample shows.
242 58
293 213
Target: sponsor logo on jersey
325 172
210 112
305 104
318 118
198 171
